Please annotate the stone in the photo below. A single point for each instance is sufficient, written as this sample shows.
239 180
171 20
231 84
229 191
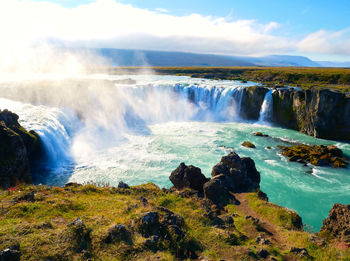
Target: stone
188 177
17 147
338 223
118 233
10 254
262 241
318 155
263 253
149 224
260 134
123 185
320 113
252 100
78 235
302 252
71 184
152 241
27 197
231 175
248 144
218 190
262 195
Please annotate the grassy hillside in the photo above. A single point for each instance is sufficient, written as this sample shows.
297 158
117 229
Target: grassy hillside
39 219
336 78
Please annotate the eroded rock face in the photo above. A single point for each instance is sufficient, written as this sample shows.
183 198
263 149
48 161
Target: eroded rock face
17 146
241 173
252 99
231 175
318 113
338 222
188 177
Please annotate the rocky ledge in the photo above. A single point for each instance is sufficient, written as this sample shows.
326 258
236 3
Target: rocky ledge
17 147
317 155
231 175
319 113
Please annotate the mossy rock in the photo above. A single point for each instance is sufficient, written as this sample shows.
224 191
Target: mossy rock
248 144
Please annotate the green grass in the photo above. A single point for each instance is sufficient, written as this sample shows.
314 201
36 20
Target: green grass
101 207
305 77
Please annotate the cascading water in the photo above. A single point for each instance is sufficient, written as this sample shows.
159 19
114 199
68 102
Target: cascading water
266 111
98 129
55 128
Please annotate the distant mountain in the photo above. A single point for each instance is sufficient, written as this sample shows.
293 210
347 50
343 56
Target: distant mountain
158 58
119 57
334 64
283 60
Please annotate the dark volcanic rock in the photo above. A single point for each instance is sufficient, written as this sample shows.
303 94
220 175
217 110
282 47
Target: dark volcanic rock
149 224
188 177
240 173
78 235
319 113
231 175
17 147
338 222
218 190
123 185
10 254
252 99
302 252
118 233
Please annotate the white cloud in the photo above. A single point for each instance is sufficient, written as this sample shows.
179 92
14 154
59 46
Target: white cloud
106 22
326 42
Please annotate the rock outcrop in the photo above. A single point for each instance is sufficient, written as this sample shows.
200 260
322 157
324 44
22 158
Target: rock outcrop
317 155
237 174
17 148
188 177
231 175
252 100
318 113
338 223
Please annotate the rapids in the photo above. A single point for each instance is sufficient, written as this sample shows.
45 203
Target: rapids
103 129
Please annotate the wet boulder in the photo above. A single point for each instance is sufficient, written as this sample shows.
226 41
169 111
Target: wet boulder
188 177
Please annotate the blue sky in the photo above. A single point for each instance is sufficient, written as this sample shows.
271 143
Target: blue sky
317 29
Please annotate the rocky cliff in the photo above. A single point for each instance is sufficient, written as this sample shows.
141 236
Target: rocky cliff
319 113
17 147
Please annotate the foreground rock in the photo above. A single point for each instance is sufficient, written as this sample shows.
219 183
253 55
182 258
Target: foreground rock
317 155
188 177
231 175
17 147
338 223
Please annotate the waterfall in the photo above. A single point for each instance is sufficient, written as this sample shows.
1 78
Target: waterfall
86 118
266 110
55 127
